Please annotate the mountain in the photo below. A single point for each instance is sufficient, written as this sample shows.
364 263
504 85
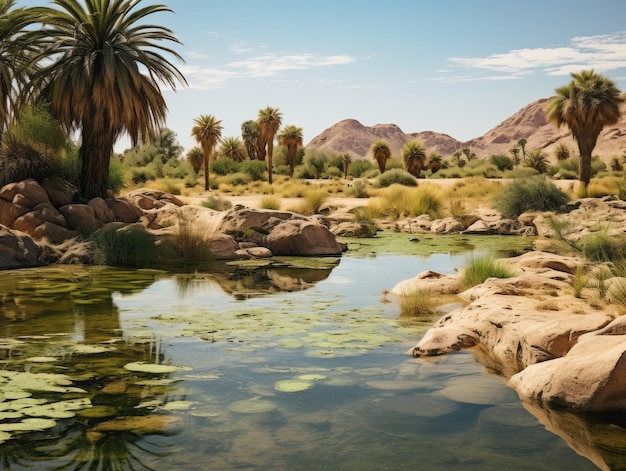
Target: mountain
528 123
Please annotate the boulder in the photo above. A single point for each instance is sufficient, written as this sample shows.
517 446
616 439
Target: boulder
60 191
55 233
17 250
432 281
224 247
80 217
446 226
27 193
101 209
9 212
123 211
43 213
591 377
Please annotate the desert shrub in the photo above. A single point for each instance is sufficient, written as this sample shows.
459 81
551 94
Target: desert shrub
397 176
332 172
394 162
425 201
192 241
475 187
530 194
117 176
580 280
597 165
306 172
255 168
520 173
224 166
480 168
371 173
501 162
612 185
311 202
19 161
358 167
270 202
358 189
480 268
216 202
281 170
315 161
129 247
235 179
601 247
419 302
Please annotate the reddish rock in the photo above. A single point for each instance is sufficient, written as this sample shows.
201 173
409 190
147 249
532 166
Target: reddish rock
60 191
80 217
124 211
27 193
9 212
101 209
17 250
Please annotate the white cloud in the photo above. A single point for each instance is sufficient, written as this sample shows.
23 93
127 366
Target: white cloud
266 65
601 53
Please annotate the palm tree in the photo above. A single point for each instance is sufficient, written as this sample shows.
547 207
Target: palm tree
291 137
233 148
102 75
381 153
561 152
207 132
586 105
522 143
269 121
538 160
346 160
195 157
467 152
414 158
435 163
515 153
250 134
16 52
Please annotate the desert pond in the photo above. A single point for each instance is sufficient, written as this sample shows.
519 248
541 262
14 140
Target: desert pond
281 364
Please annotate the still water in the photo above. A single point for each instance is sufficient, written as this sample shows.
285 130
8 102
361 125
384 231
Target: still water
275 365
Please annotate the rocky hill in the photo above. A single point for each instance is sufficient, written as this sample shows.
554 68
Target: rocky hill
529 123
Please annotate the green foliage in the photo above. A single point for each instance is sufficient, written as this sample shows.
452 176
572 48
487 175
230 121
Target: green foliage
480 268
530 194
426 202
117 176
224 166
217 203
601 247
395 175
358 189
357 168
36 126
501 162
255 168
130 247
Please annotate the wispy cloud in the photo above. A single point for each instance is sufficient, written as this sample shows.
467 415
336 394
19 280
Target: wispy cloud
264 65
601 53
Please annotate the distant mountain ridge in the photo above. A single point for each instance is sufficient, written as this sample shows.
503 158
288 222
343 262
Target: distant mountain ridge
529 123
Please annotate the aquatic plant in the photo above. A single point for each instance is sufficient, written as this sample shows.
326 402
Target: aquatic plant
415 303
480 268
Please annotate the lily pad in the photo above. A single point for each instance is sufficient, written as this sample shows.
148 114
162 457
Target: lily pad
153 368
28 425
252 406
293 385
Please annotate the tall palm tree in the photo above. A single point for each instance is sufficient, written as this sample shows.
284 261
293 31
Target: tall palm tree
381 153
195 157
346 159
414 158
291 137
207 132
102 74
586 105
250 134
16 53
233 148
269 121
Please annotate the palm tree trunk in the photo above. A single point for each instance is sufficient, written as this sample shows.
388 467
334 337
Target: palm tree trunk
585 148
95 155
207 159
270 151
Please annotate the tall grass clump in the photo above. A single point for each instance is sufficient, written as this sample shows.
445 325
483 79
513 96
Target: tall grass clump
580 280
128 247
530 194
425 201
312 202
358 189
419 302
395 176
481 267
217 203
602 247
192 240
270 202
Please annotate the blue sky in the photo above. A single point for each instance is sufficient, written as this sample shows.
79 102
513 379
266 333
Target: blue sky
458 67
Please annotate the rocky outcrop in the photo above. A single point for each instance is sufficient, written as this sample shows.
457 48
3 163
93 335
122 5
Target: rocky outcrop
17 250
556 348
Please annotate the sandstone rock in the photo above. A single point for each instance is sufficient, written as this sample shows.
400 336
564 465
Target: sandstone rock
101 209
434 282
9 212
478 227
124 211
80 217
55 233
302 238
17 250
446 226
591 377
253 252
60 191
27 193
43 213
224 247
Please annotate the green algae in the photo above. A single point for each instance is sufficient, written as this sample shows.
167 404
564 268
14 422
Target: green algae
252 406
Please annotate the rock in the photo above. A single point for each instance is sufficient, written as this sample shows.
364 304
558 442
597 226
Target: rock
80 217
478 227
9 212
591 377
27 193
446 226
101 209
60 191
224 247
254 252
17 250
124 211
55 233
44 212
434 282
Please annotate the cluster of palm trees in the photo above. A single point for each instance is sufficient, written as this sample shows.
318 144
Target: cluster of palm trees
414 159
258 138
97 69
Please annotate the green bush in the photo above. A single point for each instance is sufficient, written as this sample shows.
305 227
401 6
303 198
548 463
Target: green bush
502 162
530 194
306 172
358 189
332 172
480 268
224 166
426 202
131 247
117 176
255 168
395 175
601 247
358 167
